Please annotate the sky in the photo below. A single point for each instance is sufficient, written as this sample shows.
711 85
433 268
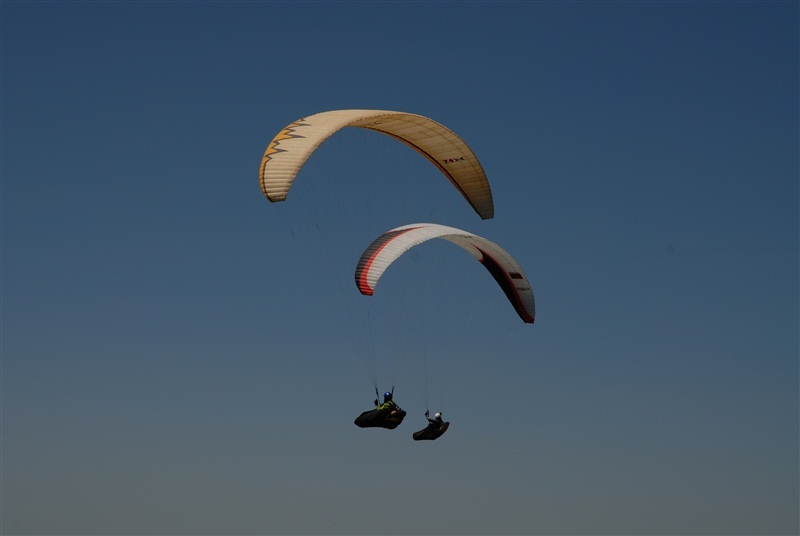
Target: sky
181 356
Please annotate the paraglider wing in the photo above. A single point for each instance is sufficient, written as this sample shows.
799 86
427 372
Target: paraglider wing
388 247
375 419
289 150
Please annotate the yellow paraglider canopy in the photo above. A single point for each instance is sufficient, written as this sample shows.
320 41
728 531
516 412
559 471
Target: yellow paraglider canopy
289 150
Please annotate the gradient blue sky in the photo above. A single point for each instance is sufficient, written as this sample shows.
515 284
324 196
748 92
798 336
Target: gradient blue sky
172 360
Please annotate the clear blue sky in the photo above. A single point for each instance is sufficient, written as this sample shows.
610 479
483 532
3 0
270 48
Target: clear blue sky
176 351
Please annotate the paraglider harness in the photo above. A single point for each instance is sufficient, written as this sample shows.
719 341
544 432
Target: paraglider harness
382 417
436 427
